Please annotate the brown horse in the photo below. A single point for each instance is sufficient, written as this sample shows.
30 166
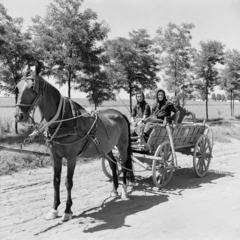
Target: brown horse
72 132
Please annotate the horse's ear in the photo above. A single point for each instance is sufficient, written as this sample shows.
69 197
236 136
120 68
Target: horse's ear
38 67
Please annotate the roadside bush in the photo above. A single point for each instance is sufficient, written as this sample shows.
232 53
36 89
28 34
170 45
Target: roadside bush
6 125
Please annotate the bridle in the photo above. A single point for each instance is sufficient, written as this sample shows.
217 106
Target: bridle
38 87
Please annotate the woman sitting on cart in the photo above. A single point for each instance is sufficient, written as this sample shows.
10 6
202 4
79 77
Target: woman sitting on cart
140 112
161 109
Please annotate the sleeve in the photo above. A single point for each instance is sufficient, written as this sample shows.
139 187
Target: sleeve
154 107
147 111
186 112
174 108
134 111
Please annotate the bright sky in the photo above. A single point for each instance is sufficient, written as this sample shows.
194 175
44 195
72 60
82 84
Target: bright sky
213 19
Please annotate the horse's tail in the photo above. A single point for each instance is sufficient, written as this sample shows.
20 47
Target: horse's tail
129 165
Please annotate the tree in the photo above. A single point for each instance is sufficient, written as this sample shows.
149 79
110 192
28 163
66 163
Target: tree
15 52
219 97
223 97
69 40
132 63
207 74
176 57
98 87
213 96
230 76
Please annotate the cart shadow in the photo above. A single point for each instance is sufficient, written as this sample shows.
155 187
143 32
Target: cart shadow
111 214
185 178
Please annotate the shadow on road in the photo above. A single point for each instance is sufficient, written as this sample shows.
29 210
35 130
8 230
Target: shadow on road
185 178
111 214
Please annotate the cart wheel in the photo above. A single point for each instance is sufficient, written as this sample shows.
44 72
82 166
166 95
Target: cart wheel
202 155
106 166
162 170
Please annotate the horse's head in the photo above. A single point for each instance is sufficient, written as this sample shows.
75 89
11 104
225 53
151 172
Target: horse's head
28 93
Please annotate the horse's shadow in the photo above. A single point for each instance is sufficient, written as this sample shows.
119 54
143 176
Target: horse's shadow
111 214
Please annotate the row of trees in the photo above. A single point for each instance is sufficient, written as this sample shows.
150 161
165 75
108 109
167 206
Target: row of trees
75 50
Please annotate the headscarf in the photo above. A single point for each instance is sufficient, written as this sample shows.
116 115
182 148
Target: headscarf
164 98
143 101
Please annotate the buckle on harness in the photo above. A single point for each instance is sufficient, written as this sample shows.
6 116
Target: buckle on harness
95 140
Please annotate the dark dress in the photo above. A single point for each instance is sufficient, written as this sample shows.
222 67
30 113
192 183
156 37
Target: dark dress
160 110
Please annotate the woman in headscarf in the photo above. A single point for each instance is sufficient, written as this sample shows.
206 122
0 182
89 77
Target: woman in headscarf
161 108
140 111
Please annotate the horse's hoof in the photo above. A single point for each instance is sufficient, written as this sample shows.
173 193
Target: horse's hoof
51 215
124 195
66 217
114 194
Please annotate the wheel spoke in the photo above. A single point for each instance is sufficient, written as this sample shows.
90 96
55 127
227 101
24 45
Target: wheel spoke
197 165
204 164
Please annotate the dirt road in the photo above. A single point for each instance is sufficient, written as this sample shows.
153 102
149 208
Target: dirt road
188 208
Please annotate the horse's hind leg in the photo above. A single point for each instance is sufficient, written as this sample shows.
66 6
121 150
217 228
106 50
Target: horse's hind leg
71 163
113 165
57 169
124 157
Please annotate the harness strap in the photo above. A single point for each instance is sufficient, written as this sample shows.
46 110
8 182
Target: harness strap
37 131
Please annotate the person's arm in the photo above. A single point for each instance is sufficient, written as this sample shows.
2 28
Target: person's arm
176 114
154 107
147 111
188 113
134 113
176 117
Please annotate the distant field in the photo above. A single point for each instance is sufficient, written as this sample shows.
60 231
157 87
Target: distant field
215 109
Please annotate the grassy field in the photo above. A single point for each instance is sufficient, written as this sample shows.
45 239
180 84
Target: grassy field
12 162
215 109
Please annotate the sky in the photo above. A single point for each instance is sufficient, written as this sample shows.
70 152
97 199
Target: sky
213 19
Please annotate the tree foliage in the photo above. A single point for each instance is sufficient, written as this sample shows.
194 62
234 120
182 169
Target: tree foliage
98 88
176 57
15 52
132 63
207 74
69 40
230 76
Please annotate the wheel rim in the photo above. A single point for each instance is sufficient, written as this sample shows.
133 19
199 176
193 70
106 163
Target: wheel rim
202 155
162 170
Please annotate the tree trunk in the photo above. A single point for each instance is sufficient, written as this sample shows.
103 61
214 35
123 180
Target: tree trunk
206 99
233 103
69 85
175 79
16 123
130 94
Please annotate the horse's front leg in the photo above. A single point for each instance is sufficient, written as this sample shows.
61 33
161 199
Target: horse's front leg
71 163
57 169
113 165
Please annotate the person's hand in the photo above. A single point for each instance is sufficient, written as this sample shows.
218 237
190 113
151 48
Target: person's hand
175 125
140 122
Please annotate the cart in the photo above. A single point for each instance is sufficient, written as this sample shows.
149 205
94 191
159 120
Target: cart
158 154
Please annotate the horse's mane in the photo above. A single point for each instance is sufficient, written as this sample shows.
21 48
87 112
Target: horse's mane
47 86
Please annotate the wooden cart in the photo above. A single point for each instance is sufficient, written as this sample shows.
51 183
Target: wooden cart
159 152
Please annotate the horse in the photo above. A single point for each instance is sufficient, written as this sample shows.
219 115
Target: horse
71 132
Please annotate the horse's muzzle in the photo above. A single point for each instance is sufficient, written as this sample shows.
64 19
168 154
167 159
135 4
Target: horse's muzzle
20 117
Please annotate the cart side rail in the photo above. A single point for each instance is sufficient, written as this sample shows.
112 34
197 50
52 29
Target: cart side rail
184 136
